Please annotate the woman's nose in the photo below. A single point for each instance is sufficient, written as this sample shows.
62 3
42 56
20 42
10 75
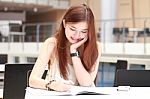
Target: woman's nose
77 34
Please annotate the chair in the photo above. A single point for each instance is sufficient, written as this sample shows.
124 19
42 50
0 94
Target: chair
117 30
3 58
15 80
121 64
125 30
133 78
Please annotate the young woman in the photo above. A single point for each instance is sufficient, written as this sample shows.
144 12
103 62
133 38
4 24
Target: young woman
72 55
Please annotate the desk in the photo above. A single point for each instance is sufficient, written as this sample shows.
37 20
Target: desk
1 93
112 92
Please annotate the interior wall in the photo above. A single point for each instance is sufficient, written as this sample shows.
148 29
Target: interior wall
133 9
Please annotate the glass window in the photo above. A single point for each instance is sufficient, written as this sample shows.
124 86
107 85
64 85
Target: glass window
19 1
43 2
45 32
30 34
106 74
137 67
16 59
31 59
31 1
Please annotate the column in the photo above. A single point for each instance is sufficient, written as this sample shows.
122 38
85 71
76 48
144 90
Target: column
108 12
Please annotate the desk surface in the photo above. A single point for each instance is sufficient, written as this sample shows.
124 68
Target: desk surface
112 92
1 93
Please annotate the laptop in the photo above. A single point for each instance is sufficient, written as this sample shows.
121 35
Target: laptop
15 80
133 78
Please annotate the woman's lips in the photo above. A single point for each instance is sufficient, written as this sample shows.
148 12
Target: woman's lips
76 40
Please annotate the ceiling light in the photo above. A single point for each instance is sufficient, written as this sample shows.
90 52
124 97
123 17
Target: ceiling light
5 8
35 9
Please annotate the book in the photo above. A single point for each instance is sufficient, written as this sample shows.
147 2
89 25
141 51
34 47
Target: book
74 91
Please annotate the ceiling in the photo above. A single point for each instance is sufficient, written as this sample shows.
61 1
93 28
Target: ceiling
21 7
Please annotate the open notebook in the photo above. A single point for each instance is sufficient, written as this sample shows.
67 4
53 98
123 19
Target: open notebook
73 92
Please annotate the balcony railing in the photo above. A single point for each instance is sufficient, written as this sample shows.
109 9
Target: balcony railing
120 44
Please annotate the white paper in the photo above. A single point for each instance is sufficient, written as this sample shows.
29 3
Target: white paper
72 92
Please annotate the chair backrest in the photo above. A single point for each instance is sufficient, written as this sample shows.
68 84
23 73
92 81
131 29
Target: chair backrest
15 80
133 78
121 64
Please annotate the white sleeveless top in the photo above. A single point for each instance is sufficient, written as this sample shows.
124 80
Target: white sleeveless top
54 72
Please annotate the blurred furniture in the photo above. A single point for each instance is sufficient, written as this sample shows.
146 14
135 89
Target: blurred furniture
15 80
121 64
133 78
3 58
120 33
117 32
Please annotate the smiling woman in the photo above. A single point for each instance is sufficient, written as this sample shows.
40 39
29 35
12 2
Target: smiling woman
75 32
72 51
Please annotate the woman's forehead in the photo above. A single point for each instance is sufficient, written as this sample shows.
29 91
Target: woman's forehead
79 25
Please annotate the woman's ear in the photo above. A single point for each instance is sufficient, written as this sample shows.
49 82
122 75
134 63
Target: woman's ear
64 24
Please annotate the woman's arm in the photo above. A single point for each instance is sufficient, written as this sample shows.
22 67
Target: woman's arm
85 78
35 79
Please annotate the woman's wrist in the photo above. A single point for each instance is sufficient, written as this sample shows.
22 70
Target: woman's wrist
72 49
49 85
75 54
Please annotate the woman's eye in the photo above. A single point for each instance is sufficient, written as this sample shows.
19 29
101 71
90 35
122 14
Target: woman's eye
72 29
84 31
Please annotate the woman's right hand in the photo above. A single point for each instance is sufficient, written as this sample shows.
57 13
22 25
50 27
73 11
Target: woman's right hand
74 46
60 86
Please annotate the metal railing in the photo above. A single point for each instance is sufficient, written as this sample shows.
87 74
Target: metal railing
122 41
125 33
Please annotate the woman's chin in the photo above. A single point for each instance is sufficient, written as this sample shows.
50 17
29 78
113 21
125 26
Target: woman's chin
73 42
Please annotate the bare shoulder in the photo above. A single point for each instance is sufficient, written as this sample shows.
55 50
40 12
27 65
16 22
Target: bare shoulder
99 47
50 40
98 44
49 43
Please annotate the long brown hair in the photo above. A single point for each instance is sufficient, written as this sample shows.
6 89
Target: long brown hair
89 50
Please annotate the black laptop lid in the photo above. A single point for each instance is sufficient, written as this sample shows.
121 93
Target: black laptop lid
15 80
134 78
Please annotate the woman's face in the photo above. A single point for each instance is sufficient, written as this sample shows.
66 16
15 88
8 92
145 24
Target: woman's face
76 31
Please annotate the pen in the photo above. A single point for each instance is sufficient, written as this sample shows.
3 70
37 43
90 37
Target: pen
68 82
123 88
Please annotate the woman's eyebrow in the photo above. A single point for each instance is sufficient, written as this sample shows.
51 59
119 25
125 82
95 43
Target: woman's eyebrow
73 27
76 28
